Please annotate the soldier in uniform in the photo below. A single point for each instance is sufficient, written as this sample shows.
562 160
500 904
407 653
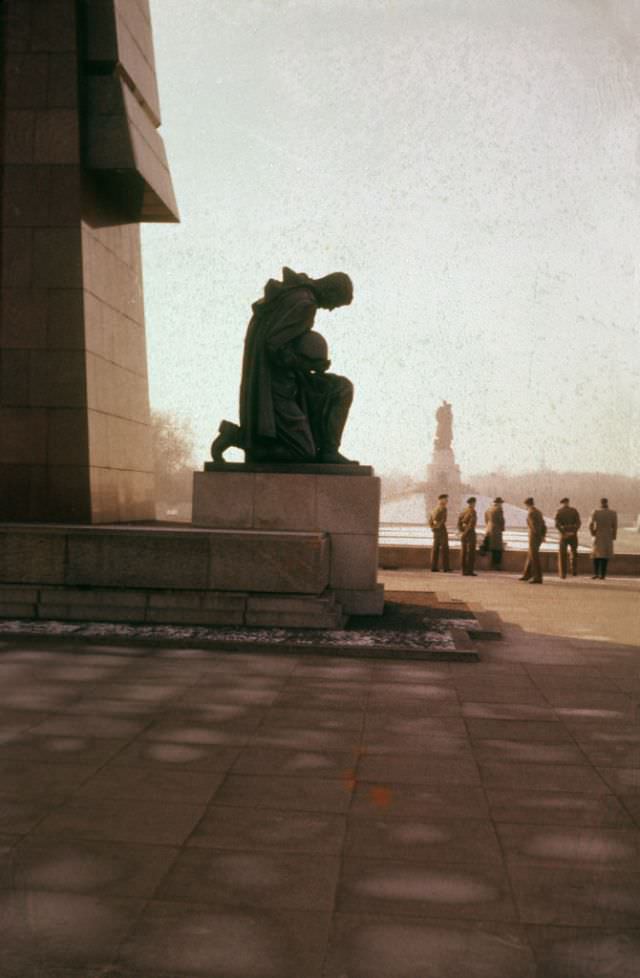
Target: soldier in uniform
438 524
567 524
467 530
537 531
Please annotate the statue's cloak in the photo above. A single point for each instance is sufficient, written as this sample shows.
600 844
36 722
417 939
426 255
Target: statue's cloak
285 312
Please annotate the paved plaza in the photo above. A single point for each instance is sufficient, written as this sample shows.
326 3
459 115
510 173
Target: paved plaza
168 813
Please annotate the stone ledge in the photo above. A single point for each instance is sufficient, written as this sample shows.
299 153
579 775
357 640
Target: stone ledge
165 558
490 626
94 597
399 557
17 610
288 468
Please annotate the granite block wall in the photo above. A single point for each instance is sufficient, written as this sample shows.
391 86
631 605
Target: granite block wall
75 441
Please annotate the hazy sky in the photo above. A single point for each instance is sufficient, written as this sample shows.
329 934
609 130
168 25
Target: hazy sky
472 164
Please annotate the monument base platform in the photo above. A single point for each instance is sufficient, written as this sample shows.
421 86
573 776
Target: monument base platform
443 475
341 502
269 549
152 574
157 606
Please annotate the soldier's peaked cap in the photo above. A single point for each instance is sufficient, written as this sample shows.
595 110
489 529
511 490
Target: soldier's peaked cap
565 500
471 499
498 499
529 501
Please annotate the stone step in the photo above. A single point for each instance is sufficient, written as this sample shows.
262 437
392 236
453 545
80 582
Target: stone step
489 626
295 611
170 606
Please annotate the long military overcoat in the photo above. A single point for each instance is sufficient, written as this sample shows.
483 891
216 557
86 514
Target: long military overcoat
603 525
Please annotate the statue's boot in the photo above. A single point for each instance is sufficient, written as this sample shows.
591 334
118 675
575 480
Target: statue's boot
334 457
229 436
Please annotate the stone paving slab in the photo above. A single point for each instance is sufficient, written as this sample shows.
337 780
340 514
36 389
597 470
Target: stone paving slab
121 820
632 805
473 891
574 952
436 842
577 896
541 808
367 946
198 813
269 880
93 868
296 763
224 827
175 938
61 931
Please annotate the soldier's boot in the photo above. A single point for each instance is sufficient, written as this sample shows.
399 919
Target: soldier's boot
229 436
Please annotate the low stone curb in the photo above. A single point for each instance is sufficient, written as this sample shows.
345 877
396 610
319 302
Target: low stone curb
442 645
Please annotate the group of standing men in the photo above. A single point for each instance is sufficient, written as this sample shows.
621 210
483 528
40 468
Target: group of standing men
603 526
466 528
467 521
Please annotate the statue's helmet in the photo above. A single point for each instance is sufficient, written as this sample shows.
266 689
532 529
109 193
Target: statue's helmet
313 346
333 290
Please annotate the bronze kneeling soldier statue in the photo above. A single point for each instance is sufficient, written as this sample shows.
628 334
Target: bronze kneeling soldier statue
291 408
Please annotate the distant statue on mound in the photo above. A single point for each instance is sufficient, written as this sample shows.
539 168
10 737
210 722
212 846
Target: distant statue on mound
291 408
444 431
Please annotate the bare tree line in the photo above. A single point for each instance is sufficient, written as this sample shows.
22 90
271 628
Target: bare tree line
547 486
174 440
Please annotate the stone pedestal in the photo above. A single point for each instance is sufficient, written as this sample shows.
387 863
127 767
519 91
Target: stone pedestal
340 501
443 475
